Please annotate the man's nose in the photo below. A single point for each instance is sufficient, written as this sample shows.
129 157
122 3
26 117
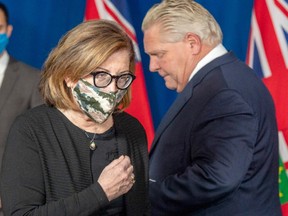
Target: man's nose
153 65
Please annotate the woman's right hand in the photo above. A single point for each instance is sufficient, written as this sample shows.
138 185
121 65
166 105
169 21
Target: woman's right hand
117 178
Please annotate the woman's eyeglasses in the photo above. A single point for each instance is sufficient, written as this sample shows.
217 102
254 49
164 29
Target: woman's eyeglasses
102 79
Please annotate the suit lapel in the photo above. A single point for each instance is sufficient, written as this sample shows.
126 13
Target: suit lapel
9 80
175 108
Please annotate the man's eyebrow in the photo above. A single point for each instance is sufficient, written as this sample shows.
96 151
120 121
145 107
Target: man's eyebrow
155 52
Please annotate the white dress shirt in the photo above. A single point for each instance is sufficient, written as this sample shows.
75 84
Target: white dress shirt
219 50
4 59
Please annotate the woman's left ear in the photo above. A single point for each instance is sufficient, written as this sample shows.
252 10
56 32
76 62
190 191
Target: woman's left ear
68 82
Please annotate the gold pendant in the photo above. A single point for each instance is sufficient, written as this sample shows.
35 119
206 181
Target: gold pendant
92 146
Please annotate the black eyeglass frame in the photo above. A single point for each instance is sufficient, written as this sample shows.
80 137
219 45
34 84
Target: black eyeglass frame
94 74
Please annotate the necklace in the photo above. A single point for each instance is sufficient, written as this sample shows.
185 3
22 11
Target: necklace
92 144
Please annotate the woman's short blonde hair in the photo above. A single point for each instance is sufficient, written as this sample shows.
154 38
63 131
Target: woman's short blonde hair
178 17
78 53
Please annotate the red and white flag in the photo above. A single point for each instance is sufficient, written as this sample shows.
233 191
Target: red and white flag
118 11
268 55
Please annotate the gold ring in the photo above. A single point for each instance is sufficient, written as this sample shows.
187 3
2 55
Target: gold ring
133 178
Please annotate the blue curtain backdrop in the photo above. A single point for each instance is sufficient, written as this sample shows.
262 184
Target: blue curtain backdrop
39 24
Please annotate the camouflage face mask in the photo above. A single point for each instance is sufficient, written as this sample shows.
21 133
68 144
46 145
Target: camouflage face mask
96 104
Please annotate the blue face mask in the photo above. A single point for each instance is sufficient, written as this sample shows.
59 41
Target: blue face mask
3 42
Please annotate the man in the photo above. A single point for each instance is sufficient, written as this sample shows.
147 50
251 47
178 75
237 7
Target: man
215 152
18 83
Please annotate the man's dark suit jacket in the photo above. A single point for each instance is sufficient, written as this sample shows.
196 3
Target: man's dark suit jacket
18 92
216 150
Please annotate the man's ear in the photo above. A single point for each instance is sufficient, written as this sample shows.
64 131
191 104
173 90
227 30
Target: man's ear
9 30
194 42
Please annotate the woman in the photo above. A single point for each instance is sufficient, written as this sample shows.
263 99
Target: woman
80 154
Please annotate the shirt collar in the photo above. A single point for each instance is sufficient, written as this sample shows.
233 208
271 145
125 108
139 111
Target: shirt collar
4 59
219 50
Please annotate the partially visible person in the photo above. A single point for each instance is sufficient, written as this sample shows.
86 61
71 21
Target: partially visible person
18 83
80 153
215 152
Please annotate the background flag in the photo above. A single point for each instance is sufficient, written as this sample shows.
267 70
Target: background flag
118 11
268 55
